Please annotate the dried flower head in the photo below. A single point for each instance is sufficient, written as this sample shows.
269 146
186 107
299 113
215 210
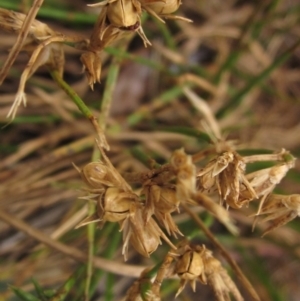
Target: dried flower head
264 181
161 201
197 263
279 210
144 238
218 278
227 173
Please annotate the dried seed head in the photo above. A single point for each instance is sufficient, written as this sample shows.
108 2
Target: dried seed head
226 172
264 181
218 278
144 238
136 291
161 201
147 242
92 65
279 210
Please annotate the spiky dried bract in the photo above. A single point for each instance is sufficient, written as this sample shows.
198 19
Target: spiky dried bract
185 172
264 181
161 201
279 210
227 174
116 19
218 278
144 238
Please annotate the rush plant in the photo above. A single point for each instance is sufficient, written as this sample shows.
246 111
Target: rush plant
204 178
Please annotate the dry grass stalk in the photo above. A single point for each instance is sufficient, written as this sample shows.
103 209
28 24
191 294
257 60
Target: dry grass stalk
23 30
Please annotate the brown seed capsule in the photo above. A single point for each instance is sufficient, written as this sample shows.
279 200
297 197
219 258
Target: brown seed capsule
97 175
162 201
124 13
190 265
115 205
144 238
162 7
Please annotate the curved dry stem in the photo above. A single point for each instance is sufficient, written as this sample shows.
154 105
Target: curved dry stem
21 38
100 263
246 283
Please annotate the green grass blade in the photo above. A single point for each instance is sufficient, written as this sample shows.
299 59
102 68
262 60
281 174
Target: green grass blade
24 296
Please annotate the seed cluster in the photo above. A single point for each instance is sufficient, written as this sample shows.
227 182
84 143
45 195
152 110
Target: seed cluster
116 19
143 215
144 203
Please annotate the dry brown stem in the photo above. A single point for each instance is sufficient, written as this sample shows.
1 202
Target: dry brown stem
21 38
71 252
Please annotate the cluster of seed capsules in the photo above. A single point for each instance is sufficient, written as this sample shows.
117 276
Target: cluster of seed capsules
117 202
191 263
116 19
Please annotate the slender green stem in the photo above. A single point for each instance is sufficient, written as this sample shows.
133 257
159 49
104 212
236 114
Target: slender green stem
55 13
81 106
73 95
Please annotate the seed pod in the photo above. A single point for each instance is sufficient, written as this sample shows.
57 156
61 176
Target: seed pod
96 175
190 265
115 205
124 13
162 7
161 201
